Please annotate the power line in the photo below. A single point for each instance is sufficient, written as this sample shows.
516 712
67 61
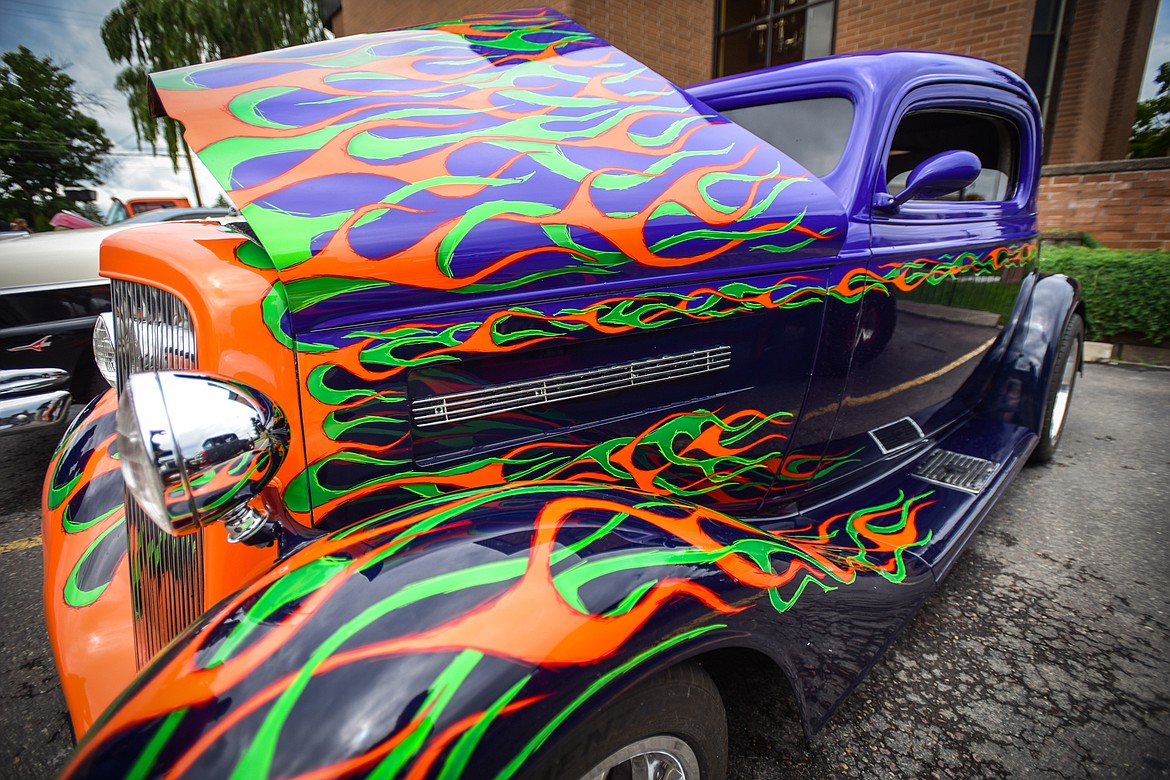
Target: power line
55 145
20 8
49 17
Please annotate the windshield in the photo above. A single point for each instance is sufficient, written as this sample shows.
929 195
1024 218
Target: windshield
116 213
812 131
167 215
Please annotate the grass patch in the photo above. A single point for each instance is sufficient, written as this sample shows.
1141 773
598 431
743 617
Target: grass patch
1126 293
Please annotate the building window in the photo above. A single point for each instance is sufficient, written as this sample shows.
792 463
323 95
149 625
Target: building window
754 34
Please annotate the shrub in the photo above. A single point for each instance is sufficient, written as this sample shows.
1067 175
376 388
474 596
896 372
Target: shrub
1126 293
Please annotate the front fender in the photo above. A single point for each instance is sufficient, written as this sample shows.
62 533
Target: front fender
466 632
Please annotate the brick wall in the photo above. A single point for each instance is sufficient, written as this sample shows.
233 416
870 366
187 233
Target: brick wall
1139 28
996 30
1087 84
673 38
1123 204
1101 80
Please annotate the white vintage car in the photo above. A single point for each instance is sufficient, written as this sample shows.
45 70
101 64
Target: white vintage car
50 297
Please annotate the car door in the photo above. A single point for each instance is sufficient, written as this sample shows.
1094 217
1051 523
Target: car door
942 279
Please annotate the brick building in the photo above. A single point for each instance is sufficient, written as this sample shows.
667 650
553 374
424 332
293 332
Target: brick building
1083 58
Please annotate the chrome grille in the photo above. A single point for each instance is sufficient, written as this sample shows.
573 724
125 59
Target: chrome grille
496 399
153 331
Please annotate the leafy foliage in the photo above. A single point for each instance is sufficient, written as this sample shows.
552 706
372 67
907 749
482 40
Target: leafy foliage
46 141
1124 292
155 35
1151 128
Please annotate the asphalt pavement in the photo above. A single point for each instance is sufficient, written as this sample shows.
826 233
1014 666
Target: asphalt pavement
1045 654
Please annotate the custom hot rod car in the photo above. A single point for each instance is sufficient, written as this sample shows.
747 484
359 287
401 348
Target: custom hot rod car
531 383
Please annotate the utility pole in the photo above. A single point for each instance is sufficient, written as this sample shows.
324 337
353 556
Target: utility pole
191 168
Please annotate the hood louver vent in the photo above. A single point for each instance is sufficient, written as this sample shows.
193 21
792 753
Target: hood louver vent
497 399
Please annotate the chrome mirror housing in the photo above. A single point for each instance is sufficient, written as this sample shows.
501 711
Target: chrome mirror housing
196 448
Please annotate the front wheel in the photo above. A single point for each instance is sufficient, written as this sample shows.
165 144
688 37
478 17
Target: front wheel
671 727
1060 389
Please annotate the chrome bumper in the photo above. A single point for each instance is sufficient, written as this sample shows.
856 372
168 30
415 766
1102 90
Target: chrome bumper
22 407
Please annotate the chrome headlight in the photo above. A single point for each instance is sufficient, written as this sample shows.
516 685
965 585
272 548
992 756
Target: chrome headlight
103 348
196 448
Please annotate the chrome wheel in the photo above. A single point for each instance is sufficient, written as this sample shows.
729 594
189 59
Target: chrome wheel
661 757
1059 389
1063 392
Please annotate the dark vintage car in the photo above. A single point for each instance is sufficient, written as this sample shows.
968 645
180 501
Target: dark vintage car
50 297
532 384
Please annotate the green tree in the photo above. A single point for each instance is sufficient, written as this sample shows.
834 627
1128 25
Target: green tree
1151 128
46 142
155 35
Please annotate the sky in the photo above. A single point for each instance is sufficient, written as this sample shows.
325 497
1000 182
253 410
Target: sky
1159 51
68 31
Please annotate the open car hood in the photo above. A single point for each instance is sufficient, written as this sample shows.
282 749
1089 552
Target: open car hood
496 154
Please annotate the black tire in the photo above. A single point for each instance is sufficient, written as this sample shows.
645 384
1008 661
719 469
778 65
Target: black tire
1061 383
675 708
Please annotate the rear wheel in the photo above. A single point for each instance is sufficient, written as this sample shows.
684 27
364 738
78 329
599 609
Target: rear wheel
1060 389
671 727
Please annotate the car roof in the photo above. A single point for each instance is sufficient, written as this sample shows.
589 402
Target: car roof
171 214
882 71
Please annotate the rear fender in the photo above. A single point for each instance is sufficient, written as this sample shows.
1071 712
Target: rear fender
1020 392
469 631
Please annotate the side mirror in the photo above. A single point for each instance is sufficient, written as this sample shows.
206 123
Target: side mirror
940 175
197 447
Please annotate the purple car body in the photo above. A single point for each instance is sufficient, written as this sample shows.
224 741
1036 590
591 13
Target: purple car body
527 489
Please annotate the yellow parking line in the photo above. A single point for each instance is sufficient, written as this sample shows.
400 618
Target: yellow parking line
20 544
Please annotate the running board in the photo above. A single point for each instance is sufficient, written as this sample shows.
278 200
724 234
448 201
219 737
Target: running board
954 470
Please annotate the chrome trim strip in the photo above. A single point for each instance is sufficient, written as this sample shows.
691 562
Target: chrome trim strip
495 399
51 287
27 380
28 412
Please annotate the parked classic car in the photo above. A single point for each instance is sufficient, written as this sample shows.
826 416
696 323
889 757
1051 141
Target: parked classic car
127 206
50 298
532 384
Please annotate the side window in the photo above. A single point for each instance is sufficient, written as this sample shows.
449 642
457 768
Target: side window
143 206
813 132
117 213
994 140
